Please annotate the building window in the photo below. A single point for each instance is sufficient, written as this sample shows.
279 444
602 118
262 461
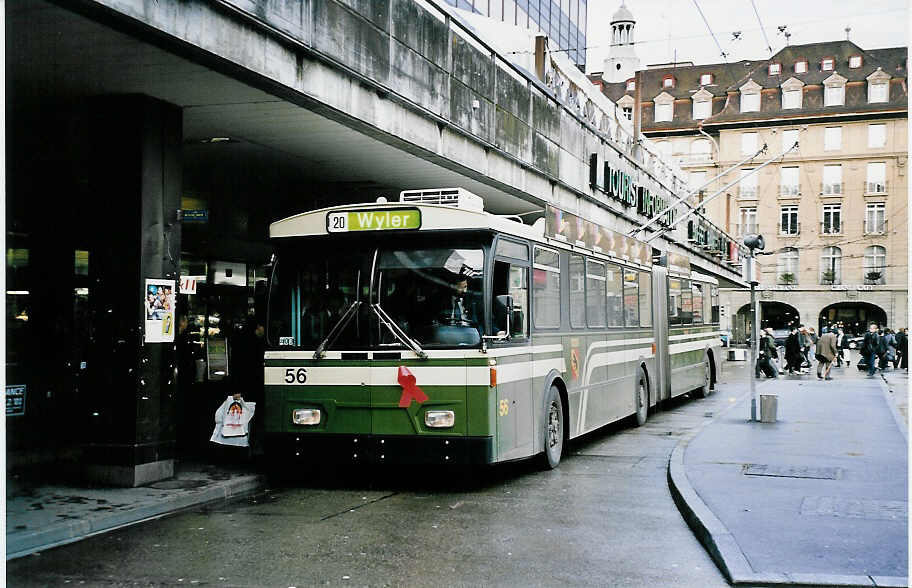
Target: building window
702 109
706 79
832 138
627 111
748 143
831 265
878 92
787 266
748 222
834 96
788 181
832 179
750 102
668 82
748 184
701 150
789 138
877 136
631 85
875 265
664 112
664 149
827 64
696 179
801 66
875 218
788 220
832 219
855 61
791 98
877 178
775 69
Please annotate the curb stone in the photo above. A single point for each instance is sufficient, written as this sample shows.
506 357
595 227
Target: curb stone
721 544
27 543
900 422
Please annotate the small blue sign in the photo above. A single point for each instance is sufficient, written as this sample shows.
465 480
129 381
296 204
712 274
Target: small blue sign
195 216
15 400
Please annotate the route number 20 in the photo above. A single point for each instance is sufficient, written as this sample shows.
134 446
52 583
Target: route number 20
293 376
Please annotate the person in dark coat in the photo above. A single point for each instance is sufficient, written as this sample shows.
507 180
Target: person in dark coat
793 355
842 346
902 347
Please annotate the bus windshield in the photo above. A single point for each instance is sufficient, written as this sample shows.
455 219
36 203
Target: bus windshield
433 294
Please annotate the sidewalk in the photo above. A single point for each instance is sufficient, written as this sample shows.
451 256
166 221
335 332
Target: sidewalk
817 498
43 516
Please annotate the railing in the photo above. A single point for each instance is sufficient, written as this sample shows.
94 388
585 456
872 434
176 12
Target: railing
830 278
747 191
790 229
832 188
694 159
789 190
875 187
875 277
747 229
830 228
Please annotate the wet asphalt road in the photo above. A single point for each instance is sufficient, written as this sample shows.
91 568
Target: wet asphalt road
604 517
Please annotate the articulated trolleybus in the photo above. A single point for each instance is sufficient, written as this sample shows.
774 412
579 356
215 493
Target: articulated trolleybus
430 331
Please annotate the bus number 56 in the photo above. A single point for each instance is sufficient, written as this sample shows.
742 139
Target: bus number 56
295 377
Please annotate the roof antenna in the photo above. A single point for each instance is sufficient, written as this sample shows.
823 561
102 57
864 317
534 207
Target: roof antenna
848 30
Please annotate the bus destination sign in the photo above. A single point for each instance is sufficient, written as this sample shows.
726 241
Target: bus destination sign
397 219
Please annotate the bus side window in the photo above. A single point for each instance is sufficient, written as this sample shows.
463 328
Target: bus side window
546 300
577 292
631 298
513 280
715 305
674 301
686 303
615 299
697 290
645 299
595 293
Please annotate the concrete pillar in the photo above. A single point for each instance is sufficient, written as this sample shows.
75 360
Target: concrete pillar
133 172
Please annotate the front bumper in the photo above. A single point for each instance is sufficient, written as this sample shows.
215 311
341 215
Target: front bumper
379 449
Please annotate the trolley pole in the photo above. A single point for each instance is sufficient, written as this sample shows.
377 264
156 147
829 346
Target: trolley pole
753 243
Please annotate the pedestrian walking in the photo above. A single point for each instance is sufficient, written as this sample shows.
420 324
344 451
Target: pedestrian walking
805 345
902 346
826 353
768 354
793 357
842 343
869 348
890 356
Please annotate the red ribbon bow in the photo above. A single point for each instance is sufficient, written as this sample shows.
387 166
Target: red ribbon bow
410 391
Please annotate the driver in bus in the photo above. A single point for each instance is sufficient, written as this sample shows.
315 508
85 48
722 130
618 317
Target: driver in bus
461 306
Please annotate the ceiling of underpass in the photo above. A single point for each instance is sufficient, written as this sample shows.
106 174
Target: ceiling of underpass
55 56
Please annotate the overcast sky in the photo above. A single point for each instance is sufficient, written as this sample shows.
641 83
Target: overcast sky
663 26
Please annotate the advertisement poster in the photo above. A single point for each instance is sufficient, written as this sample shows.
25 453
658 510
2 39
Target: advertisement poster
15 400
159 300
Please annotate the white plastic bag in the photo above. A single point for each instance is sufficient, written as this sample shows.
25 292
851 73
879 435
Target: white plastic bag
232 422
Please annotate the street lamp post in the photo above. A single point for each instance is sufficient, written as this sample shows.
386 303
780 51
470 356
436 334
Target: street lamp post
753 243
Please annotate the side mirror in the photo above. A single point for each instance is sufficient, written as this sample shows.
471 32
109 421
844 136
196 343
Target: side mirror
503 310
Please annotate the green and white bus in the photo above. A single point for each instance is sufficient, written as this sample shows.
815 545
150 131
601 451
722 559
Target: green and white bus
430 331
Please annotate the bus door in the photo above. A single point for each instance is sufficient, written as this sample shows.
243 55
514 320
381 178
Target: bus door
515 397
660 330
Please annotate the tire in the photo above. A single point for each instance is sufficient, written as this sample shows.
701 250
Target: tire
553 429
641 397
706 389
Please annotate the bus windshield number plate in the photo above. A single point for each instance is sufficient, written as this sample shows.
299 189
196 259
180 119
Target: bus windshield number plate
397 219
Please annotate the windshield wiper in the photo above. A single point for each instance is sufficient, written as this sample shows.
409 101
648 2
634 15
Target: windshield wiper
337 329
397 331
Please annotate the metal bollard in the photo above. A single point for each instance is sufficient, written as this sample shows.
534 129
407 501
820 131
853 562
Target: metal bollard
769 406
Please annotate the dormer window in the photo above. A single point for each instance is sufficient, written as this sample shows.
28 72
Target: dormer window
855 61
702 104
879 86
827 64
801 66
664 107
631 85
706 79
668 82
775 69
834 90
792 93
750 97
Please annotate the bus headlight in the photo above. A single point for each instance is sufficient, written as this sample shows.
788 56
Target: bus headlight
306 416
439 418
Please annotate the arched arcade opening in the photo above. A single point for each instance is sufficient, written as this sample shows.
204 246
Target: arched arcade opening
853 317
776 315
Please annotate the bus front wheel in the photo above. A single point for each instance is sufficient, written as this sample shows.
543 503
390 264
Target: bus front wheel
553 429
706 388
641 398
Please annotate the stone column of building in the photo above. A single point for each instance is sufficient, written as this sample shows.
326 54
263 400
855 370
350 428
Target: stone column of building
134 179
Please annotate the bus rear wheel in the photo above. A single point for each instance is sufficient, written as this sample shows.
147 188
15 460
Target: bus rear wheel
553 429
641 397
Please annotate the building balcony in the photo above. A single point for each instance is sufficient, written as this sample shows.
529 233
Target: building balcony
747 192
694 159
874 229
832 189
875 277
789 230
830 228
874 188
747 229
789 190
